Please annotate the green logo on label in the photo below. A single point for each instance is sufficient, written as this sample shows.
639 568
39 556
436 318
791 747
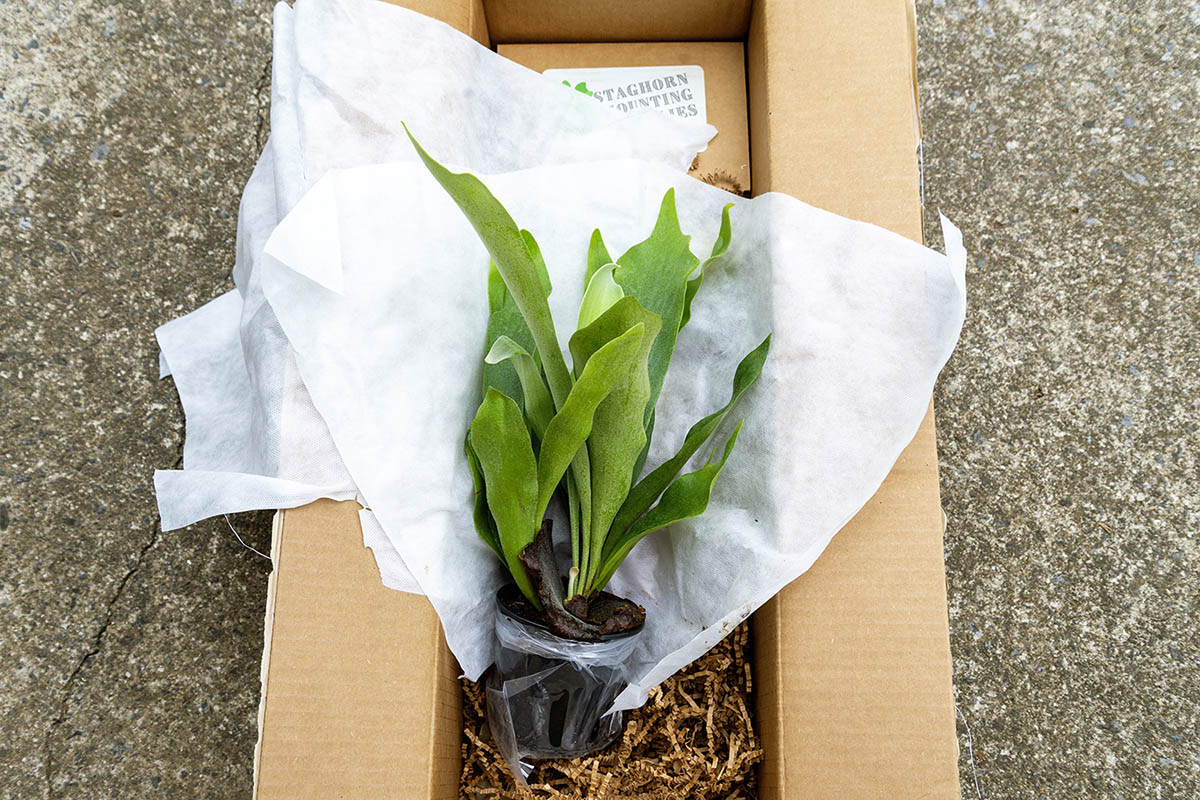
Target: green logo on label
579 87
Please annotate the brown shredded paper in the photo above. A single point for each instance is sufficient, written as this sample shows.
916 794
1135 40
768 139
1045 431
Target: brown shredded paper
694 738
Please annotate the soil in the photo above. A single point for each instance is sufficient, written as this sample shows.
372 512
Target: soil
614 616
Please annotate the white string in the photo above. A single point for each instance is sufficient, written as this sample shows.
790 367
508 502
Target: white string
239 538
971 752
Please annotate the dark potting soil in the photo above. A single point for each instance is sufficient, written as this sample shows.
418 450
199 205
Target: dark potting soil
614 616
694 738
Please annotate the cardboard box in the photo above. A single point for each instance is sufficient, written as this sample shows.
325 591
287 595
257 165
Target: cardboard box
852 660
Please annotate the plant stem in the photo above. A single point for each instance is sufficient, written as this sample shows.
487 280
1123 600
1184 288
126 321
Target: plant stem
573 514
581 472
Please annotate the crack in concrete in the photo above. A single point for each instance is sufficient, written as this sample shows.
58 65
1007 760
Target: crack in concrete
97 645
263 85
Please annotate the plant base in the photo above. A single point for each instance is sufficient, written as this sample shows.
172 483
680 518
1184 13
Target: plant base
547 695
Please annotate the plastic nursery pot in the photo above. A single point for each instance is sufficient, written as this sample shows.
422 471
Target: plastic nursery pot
547 695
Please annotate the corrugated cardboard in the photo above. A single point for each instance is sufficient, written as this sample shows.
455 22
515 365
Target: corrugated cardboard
854 657
511 21
852 661
726 162
467 16
360 697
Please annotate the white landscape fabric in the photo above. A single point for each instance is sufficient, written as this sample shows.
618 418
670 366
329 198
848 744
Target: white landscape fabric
380 285
345 75
348 361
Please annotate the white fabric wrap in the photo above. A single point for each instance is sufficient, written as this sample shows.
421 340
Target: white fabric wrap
345 75
389 335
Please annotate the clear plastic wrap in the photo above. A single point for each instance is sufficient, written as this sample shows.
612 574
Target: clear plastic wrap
547 696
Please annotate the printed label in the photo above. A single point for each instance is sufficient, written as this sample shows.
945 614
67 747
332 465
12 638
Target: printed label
675 90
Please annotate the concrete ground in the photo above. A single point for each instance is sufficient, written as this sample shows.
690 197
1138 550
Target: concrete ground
1063 138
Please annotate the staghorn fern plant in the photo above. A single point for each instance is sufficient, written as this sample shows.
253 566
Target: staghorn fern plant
583 432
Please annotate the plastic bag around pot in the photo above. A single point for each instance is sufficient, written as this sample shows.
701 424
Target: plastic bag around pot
546 695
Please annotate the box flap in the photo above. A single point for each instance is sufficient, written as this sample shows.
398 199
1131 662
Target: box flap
360 675
511 21
853 658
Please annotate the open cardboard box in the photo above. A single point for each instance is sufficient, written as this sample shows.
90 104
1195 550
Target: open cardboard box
816 98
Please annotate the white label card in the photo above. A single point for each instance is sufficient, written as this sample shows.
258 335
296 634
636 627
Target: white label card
675 90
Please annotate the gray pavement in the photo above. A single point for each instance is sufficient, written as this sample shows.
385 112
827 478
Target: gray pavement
129 658
1063 138
1066 143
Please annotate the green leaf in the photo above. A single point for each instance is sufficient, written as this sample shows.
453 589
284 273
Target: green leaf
602 291
597 256
655 272
686 497
517 265
572 425
535 253
504 321
539 408
501 443
618 433
650 487
485 526
641 461
719 248
691 288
